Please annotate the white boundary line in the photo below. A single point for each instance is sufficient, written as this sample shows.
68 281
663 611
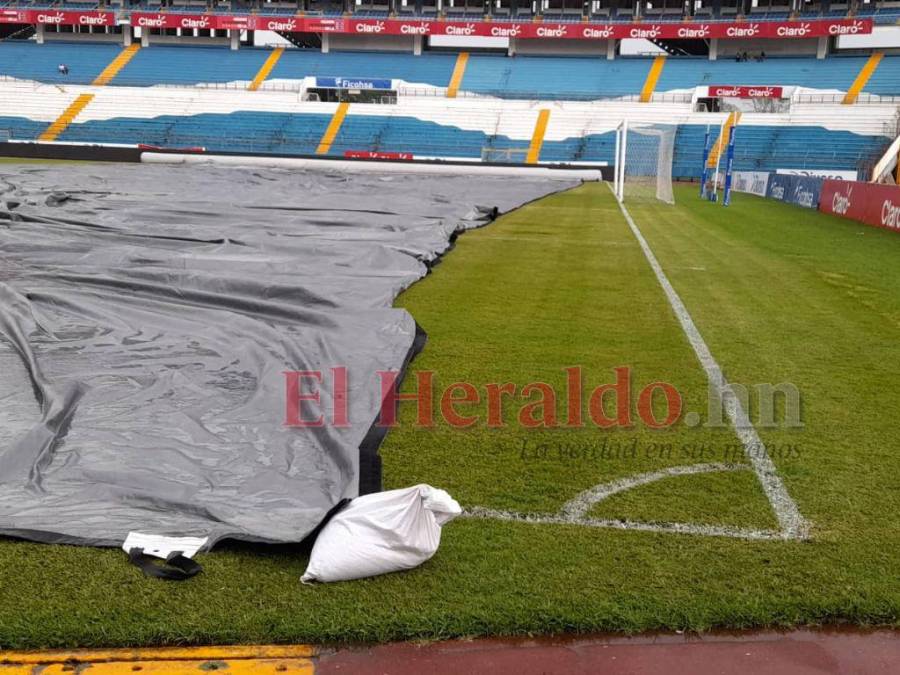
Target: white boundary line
578 507
574 512
793 525
664 528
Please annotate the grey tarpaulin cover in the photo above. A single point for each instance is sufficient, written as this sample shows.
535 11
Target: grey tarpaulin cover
147 316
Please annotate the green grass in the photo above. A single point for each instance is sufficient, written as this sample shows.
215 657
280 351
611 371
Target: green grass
781 294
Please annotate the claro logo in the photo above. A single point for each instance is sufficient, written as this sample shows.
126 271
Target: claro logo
286 26
751 30
701 31
793 31
93 19
502 31
202 22
598 32
890 214
645 33
468 29
558 32
50 18
844 29
158 21
840 204
423 28
377 27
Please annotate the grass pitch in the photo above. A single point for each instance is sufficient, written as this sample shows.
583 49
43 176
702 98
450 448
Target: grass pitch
780 294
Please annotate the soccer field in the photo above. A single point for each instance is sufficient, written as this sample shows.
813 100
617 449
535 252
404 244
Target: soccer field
670 528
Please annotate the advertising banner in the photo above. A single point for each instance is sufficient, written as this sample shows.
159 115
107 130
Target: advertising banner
510 29
370 154
877 205
16 16
752 182
837 174
720 91
187 21
352 83
800 190
52 17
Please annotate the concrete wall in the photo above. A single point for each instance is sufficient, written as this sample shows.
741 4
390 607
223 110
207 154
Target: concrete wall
50 35
383 43
807 47
187 40
560 47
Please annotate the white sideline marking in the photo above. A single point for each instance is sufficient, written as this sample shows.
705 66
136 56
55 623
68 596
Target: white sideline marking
665 528
793 525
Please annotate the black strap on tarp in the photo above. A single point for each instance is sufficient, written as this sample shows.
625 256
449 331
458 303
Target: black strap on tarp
176 567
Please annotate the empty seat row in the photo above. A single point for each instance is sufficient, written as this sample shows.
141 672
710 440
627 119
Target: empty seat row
520 77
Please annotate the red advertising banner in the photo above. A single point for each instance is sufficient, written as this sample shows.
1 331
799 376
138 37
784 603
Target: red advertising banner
369 154
591 31
167 20
51 17
719 91
16 16
509 29
877 205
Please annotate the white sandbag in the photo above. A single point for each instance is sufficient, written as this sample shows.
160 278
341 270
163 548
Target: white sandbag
380 533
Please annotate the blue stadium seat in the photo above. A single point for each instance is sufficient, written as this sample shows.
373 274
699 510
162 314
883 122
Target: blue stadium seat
554 77
528 77
833 73
433 69
764 148
191 65
29 61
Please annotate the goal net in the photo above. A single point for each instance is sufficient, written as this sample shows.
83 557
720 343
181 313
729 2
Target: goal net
643 163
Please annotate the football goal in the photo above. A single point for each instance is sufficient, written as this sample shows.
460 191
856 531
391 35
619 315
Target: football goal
643 161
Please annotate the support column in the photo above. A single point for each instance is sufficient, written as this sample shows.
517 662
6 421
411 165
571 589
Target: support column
39 34
126 36
611 49
417 44
145 37
822 47
326 43
713 49
511 49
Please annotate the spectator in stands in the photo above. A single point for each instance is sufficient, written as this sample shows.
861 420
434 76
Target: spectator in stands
63 69
761 57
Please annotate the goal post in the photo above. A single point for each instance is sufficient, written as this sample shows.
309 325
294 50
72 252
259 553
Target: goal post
642 167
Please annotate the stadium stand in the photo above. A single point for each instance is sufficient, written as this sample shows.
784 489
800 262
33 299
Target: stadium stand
177 96
833 73
810 136
29 61
525 77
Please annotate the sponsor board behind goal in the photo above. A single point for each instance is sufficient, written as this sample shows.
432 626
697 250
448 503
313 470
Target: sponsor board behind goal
836 174
869 203
800 190
751 182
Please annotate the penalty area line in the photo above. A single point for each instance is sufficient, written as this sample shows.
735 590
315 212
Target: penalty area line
792 523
